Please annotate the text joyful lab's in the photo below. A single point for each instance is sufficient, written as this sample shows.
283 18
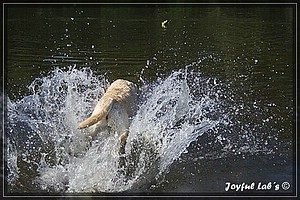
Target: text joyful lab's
240 187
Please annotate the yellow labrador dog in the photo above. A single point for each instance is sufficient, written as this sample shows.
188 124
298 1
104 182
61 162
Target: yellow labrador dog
113 110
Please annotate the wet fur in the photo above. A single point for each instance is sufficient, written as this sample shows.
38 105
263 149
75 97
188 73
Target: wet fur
113 110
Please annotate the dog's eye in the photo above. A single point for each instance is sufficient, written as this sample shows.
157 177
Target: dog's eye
106 117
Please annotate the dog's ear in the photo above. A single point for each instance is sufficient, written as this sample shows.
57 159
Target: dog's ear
100 112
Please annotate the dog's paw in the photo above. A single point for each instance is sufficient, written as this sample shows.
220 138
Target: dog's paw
123 138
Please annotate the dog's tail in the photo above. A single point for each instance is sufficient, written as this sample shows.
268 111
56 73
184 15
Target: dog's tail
101 110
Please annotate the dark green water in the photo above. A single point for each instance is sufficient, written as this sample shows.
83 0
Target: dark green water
248 48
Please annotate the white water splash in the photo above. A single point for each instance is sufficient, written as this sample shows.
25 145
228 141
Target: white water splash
12 163
170 119
173 112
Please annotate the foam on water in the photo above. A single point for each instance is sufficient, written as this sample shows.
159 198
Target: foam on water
173 112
